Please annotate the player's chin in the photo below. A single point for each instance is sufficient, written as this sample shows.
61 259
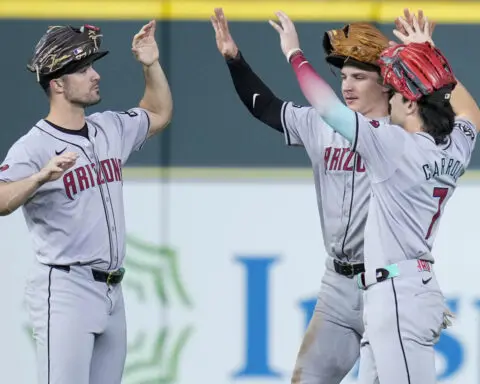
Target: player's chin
354 105
93 100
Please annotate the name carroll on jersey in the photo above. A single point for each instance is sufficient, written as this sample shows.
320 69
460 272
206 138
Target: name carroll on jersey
446 166
87 176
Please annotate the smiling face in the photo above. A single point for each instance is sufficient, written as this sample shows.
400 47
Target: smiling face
362 91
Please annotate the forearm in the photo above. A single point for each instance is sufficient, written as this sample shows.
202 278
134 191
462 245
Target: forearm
157 98
322 97
464 104
15 194
255 95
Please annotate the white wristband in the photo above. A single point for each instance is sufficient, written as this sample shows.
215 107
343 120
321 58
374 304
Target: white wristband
292 52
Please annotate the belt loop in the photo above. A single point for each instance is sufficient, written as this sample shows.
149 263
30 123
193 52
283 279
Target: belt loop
371 277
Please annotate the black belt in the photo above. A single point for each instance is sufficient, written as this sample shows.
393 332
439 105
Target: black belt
347 269
111 278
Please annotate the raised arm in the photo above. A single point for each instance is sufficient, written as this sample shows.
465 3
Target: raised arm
157 98
260 101
316 90
464 105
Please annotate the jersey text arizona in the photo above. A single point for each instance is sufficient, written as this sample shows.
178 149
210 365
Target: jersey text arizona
82 178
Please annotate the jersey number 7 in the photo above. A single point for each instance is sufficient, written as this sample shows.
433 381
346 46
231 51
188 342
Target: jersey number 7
441 194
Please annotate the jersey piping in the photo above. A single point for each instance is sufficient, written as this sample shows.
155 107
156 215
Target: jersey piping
99 187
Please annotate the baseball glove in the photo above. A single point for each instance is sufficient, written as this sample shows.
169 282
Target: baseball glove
416 70
62 46
358 43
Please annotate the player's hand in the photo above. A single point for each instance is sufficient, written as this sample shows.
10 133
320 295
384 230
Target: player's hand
288 35
408 16
225 43
56 167
413 29
144 46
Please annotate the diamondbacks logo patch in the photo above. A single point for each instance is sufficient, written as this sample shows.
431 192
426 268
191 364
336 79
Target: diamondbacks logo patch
374 123
4 167
466 129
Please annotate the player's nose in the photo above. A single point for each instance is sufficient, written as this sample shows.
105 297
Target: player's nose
95 75
347 86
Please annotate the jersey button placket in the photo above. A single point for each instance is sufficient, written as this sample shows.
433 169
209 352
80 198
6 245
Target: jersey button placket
346 200
113 230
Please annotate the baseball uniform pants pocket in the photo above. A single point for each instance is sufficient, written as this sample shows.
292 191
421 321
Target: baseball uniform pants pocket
430 316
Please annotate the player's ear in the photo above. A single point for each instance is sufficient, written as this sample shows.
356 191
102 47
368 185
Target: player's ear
411 107
56 85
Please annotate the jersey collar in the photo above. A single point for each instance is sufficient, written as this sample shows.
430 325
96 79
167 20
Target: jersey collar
67 137
430 137
426 135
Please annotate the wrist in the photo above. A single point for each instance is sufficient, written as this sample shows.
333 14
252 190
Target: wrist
234 56
147 66
39 178
292 52
297 60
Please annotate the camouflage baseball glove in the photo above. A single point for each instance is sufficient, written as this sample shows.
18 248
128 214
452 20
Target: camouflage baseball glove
355 43
64 47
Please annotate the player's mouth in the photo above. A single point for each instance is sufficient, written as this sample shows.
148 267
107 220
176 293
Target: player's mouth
350 99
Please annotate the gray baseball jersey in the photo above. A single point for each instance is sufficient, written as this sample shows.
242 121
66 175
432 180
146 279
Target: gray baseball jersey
411 179
343 192
80 217
341 183
77 224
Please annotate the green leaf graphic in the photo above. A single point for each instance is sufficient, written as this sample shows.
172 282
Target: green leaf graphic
138 343
169 365
170 256
154 359
157 277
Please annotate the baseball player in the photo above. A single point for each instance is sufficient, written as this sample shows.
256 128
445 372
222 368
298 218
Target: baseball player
66 174
331 344
413 164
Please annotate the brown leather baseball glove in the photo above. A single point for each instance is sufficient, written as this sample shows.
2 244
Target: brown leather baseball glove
357 43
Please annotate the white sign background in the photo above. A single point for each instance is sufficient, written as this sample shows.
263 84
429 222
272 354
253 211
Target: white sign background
209 225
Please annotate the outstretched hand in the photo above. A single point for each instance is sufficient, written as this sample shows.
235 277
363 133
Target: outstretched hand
56 167
413 29
288 35
225 43
144 46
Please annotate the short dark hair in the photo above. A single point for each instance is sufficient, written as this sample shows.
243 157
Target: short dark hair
437 115
48 91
